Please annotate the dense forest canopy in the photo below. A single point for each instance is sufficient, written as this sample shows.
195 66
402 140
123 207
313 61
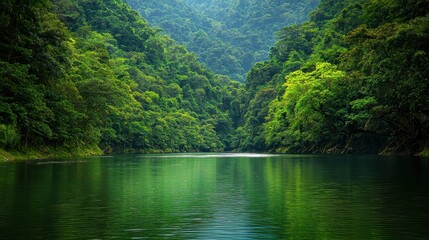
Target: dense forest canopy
229 36
354 78
90 76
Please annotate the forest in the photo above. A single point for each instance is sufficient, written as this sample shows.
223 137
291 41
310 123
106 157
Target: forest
84 77
87 77
229 36
351 79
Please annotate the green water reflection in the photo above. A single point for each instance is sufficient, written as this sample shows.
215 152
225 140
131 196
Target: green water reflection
202 196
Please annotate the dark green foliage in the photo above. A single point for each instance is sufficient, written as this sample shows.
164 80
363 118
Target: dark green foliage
34 56
113 82
88 75
356 81
393 63
229 36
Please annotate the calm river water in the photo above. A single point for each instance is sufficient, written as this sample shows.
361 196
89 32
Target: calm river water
216 196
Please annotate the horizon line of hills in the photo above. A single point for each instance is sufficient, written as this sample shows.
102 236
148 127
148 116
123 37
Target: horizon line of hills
228 36
88 76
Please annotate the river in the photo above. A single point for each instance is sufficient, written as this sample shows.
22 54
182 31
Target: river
216 196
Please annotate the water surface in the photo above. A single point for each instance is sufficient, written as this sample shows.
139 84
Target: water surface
216 196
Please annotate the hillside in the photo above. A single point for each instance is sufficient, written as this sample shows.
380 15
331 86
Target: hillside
228 36
354 78
83 76
88 77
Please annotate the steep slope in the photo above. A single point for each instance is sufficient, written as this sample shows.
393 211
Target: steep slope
228 36
352 79
110 82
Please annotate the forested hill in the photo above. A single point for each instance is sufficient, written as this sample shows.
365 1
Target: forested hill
354 78
83 76
229 36
91 76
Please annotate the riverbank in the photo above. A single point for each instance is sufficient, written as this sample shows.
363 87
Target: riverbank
31 154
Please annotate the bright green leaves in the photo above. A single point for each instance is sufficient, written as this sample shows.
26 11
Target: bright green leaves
309 109
113 83
118 84
153 95
361 82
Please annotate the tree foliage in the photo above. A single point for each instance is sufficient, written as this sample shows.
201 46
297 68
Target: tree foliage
229 36
89 74
356 80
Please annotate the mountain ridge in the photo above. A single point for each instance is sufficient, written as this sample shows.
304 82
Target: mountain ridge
231 44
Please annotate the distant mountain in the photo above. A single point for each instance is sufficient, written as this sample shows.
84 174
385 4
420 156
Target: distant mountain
228 36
